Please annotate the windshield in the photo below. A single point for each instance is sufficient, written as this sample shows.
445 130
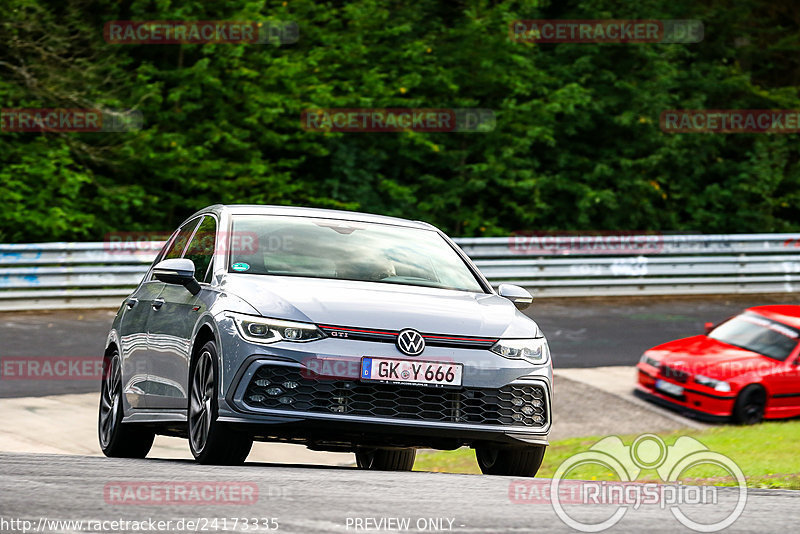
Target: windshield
345 250
758 334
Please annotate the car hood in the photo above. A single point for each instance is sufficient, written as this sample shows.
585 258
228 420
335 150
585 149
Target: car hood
381 306
710 357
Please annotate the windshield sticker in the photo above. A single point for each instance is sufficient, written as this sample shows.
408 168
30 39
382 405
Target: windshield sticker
240 266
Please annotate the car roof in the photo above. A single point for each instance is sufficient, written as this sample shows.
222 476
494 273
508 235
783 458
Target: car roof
294 211
787 314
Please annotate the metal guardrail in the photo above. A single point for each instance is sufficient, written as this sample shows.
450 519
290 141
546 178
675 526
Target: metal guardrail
629 265
72 275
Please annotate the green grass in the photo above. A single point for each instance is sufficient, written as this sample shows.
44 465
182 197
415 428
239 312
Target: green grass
766 453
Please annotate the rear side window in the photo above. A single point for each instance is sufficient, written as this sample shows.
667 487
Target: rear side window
201 247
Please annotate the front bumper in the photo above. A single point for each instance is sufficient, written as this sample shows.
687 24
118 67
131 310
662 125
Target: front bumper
694 402
339 413
340 429
346 434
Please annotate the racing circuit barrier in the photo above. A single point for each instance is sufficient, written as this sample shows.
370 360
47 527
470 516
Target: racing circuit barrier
76 275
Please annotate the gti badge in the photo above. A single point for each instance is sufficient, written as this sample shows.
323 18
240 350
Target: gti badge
410 342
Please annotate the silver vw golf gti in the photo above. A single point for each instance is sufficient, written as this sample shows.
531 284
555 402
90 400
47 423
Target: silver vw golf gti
341 331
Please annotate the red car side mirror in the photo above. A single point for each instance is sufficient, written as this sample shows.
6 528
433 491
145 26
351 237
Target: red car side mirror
709 327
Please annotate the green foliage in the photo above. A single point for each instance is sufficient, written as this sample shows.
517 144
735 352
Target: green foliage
577 144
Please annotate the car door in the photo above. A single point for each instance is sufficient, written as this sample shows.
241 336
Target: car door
172 322
148 305
133 337
784 385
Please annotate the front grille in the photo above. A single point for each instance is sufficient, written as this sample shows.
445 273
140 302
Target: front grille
295 390
674 374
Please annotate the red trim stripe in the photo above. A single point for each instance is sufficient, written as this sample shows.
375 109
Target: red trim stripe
357 330
482 339
426 336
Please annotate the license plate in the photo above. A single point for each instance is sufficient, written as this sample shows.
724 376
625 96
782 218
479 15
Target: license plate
669 387
389 371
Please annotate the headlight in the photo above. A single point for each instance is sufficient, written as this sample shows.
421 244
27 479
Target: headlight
533 350
649 360
718 385
264 330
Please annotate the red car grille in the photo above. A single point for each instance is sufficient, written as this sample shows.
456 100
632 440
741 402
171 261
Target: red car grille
674 374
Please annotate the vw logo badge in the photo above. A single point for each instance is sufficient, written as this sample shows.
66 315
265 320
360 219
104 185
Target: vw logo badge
410 342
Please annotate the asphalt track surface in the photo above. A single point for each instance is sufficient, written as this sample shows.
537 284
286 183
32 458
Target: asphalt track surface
310 499
581 332
306 499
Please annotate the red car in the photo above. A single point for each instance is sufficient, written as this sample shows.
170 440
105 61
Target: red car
746 368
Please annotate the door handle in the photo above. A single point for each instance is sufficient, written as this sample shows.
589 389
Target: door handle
157 304
132 302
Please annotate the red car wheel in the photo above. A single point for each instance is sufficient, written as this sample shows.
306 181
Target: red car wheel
750 404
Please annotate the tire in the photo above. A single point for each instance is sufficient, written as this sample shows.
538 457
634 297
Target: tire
386 459
506 461
118 439
210 441
750 405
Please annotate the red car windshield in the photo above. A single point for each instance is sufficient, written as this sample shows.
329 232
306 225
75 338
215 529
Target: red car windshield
758 334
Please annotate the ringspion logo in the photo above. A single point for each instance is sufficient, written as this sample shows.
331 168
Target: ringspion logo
627 463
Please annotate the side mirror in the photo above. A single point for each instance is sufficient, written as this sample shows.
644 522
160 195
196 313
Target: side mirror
179 271
709 327
518 295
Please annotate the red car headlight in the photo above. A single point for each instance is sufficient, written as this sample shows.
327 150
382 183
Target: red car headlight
649 360
718 385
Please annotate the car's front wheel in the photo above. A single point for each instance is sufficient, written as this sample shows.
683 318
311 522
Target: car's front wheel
508 461
750 405
386 459
118 439
211 442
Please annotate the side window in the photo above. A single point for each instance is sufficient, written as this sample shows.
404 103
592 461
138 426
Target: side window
174 248
161 252
201 247
179 244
